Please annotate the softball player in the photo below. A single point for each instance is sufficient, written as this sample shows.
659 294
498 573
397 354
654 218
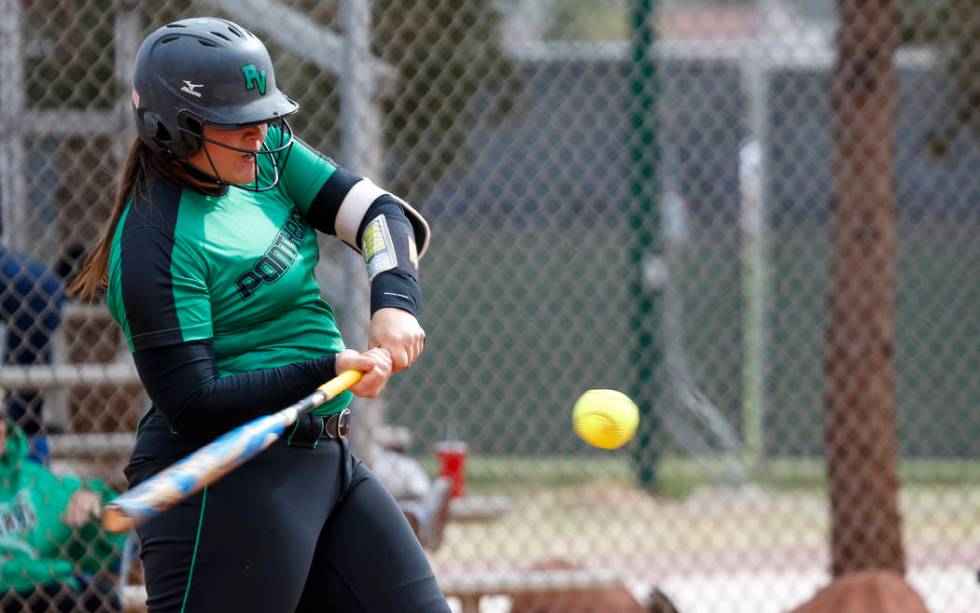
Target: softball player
208 265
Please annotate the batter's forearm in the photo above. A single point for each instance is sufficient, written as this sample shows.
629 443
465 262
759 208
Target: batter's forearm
183 382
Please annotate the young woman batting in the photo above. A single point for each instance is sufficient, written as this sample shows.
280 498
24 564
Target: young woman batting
207 262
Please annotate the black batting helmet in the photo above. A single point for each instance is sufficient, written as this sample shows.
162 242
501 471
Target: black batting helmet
205 70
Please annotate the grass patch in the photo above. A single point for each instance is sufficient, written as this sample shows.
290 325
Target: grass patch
679 477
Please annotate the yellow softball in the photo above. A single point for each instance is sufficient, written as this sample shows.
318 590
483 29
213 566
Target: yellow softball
605 418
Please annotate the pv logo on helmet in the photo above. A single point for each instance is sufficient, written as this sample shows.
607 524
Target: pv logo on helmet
254 78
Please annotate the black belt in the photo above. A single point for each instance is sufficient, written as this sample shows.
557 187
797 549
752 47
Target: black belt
309 429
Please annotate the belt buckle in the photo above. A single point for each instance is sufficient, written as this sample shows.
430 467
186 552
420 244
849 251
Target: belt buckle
343 423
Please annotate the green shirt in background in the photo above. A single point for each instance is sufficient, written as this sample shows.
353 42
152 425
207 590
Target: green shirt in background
36 548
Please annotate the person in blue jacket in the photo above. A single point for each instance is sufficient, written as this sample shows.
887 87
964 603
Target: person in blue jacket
31 300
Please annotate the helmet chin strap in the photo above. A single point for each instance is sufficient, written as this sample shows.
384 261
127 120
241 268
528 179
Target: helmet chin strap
199 175
215 175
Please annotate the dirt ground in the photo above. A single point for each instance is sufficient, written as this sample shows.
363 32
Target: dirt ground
719 549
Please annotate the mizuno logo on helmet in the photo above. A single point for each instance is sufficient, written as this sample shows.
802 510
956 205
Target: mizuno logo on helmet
191 88
254 78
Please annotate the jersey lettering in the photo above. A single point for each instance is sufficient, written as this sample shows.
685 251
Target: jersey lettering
277 258
17 516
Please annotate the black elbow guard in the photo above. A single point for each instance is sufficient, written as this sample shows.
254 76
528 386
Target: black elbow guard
387 243
395 289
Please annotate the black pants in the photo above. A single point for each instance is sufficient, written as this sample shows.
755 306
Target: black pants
293 529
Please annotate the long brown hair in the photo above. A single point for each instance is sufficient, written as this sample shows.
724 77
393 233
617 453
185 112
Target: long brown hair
93 276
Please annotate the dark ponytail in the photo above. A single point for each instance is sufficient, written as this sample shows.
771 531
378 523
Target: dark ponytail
93 275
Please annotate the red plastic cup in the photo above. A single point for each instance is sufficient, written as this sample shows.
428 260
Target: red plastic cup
452 464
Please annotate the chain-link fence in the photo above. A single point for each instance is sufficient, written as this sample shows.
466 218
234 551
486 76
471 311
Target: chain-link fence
704 205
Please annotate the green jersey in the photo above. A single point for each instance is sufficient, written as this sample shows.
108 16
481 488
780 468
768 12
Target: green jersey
235 268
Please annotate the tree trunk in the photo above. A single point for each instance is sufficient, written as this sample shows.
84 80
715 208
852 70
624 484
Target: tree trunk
860 396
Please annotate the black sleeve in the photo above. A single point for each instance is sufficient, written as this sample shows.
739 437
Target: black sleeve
183 383
398 287
162 282
323 210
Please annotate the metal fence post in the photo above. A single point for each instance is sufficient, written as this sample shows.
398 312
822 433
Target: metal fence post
360 133
12 180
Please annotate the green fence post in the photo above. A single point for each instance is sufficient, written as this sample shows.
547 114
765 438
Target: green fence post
650 271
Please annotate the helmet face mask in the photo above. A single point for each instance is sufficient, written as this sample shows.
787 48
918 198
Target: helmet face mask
208 71
266 175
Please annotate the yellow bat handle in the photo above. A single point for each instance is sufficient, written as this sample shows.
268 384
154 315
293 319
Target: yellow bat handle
340 383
